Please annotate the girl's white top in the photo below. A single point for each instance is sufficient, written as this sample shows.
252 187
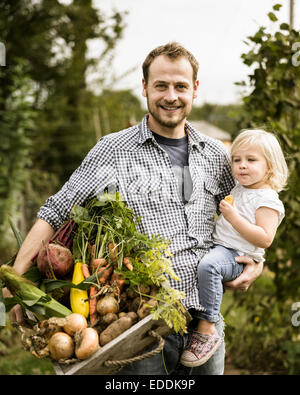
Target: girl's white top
246 202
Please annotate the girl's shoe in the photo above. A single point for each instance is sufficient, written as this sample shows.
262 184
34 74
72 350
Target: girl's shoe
200 348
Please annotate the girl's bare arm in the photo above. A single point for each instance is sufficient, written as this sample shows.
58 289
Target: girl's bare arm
260 234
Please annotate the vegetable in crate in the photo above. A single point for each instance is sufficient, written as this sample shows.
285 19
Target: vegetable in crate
107 223
115 329
55 257
107 304
61 346
54 260
74 323
78 297
29 296
87 343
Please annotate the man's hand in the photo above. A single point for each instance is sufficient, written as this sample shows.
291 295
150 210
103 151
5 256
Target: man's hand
251 272
41 231
16 313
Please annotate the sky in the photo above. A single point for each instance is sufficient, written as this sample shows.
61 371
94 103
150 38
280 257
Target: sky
213 30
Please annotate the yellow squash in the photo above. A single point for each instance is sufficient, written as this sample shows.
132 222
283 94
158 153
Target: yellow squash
78 297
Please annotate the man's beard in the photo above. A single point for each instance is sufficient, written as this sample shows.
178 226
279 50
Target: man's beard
169 123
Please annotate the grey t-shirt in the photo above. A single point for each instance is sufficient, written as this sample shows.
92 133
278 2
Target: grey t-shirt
177 149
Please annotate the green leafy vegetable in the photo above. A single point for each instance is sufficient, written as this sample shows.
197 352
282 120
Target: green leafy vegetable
108 219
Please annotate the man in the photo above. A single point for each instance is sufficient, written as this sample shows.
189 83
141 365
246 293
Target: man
172 176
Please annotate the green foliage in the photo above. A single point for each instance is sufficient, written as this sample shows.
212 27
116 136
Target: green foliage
226 117
17 127
118 110
46 109
274 105
149 256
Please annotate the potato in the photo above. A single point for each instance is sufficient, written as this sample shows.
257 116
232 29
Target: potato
145 310
108 318
136 303
115 329
133 316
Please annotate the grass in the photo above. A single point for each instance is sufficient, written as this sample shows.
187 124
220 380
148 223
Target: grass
14 360
254 326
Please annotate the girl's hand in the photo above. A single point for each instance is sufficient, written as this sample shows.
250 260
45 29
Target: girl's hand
228 211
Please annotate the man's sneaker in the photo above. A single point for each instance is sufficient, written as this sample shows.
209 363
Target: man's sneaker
201 347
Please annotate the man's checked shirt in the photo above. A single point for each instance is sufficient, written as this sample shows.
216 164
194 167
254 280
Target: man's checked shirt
132 162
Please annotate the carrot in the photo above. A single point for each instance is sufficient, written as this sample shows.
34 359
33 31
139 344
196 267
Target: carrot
85 270
106 272
92 299
93 305
113 251
127 263
119 280
92 254
97 263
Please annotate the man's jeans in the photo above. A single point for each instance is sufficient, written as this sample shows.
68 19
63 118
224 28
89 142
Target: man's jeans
168 362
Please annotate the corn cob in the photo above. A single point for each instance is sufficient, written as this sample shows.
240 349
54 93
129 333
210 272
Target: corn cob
34 298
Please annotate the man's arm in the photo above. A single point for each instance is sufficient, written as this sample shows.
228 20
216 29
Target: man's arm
41 231
95 173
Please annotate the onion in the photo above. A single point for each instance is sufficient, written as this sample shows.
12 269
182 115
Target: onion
74 323
61 346
87 342
107 304
50 327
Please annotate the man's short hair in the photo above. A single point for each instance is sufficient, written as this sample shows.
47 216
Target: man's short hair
173 50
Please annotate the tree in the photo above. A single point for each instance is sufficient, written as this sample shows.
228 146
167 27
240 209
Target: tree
17 128
43 94
274 103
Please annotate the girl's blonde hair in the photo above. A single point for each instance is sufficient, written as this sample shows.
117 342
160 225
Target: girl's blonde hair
268 143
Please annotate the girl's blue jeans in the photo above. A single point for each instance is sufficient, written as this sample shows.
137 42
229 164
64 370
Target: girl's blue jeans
216 267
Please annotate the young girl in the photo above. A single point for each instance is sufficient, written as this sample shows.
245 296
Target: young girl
246 227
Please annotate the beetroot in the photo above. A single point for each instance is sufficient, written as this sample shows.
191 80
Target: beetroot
54 259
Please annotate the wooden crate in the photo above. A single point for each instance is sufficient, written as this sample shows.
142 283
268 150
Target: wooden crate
123 347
